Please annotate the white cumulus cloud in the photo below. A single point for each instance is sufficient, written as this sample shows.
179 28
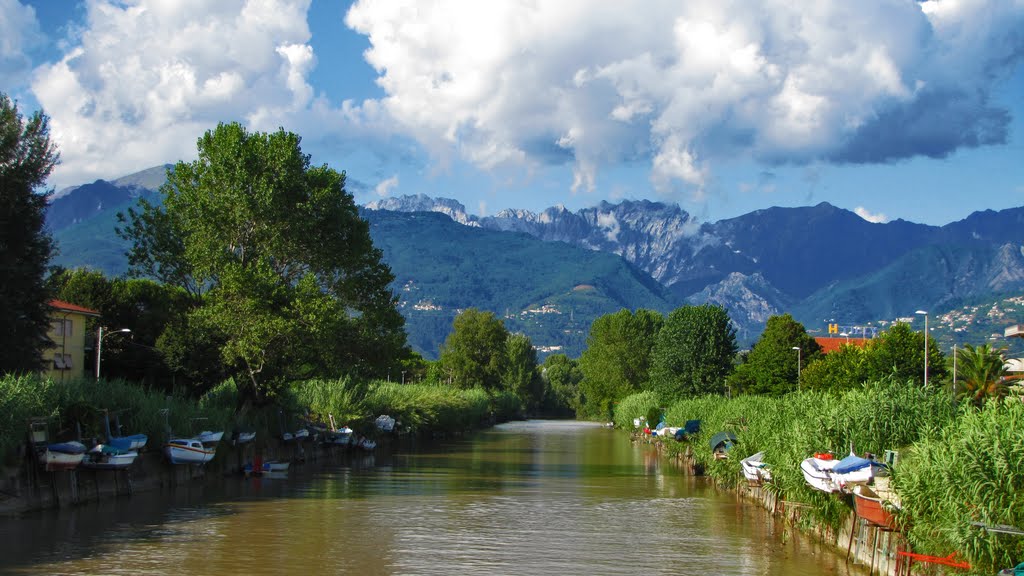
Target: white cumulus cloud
681 85
877 218
19 33
141 80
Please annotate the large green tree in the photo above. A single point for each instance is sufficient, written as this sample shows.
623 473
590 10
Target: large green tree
836 371
693 353
771 367
26 159
899 352
562 377
521 377
475 352
617 360
286 277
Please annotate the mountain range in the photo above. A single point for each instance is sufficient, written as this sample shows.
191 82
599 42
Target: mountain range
549 274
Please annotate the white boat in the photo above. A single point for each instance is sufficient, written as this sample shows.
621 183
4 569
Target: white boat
275 466
62 456
367 444
188 451
244 437
854 470
106 457
207 437
385 423
755 470
817 472
301 434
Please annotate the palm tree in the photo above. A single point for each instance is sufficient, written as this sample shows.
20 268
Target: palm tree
981 370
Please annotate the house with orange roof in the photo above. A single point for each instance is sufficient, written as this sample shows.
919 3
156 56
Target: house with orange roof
832 344
66 356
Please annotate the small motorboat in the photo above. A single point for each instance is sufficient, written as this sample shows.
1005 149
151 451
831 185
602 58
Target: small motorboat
755 470
188 451
817 472
854 470
367 444
127 443
62 456
107 457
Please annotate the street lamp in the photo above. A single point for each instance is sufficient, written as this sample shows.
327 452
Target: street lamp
99 345
797 348
845 334
925 346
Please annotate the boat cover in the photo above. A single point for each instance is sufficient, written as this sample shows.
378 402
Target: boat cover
67 447
852 463
721 438
691 426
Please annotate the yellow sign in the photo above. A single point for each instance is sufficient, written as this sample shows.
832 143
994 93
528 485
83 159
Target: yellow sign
833 328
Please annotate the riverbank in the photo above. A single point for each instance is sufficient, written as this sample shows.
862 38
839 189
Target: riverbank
88 410
957 470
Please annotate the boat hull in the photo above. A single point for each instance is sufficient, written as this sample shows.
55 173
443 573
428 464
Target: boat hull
63 456
188 452
128 443
818 474
108 458
870 507
754 470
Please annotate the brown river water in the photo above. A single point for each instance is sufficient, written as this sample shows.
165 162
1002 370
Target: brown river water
536 497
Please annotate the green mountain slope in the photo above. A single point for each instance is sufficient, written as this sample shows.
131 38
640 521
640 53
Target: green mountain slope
549 291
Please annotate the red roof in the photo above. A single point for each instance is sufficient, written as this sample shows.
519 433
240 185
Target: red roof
69 307
829 344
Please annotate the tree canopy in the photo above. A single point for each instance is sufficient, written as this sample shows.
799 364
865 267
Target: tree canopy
474 354
773 365
282 268
899 352
617 360
26 159
980 373
693 353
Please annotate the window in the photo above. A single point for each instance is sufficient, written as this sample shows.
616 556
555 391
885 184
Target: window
62 327
62 361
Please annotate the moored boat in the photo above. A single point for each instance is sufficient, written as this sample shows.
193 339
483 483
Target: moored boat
127 443
62 456
208 437
188 451
244 437
107 457
755 470
722 443
873 508
854 470
817 471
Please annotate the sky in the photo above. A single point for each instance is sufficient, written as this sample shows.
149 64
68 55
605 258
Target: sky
890 108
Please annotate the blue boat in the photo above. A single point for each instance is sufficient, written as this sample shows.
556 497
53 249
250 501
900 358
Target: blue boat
124 443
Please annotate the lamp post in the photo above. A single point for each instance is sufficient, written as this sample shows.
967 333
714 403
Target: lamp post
403 376
797 348
925 346
846 335
99 345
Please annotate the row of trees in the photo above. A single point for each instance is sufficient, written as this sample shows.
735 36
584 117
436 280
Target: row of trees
692 352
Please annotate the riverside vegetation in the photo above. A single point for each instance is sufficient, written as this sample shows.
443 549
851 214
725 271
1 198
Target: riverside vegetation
958 466
78 404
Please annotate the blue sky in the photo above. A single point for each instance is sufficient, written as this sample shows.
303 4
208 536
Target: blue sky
893 108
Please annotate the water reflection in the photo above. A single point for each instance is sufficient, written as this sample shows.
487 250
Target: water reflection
524 498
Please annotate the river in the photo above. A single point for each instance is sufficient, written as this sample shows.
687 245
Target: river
536 497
